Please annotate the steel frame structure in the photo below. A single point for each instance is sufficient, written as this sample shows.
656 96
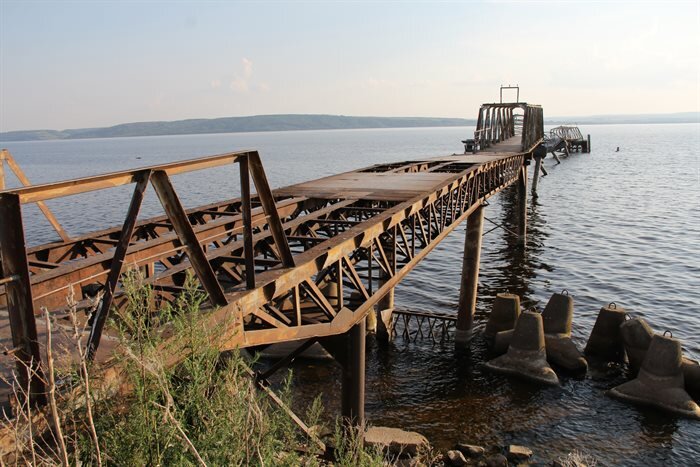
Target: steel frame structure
276 266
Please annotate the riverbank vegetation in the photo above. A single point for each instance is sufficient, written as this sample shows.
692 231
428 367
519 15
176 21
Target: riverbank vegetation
207 410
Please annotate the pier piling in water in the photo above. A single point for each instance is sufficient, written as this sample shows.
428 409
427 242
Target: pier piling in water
522 206
470 276
353 389
385 309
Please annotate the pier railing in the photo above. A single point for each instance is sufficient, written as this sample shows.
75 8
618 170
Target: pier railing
499 122
33 279
275 268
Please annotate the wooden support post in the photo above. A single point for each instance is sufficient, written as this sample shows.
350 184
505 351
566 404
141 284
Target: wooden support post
470 277
185 232
353 384
522 206
20 304
588 146
115 270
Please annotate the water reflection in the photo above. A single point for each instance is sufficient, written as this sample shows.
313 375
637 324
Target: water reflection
512 268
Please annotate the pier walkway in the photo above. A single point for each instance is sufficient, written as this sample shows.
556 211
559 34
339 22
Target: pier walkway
307 262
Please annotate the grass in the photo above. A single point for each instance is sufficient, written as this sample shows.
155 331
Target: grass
207 410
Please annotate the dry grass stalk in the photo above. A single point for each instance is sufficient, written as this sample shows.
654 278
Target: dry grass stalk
52 391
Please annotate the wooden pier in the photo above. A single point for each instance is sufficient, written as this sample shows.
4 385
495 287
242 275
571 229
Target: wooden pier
303 263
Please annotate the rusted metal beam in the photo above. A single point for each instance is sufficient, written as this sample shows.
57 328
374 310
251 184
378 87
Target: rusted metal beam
100 317
19 173
20 303
35 193
2 169
181 224
268 204
248 251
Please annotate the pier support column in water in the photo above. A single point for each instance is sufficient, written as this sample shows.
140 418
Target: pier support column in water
538 154
470 277
353 391
385 308
522 206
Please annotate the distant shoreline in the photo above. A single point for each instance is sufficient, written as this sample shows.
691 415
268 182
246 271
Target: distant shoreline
294 122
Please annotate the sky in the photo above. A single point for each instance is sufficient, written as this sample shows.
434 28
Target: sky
91 64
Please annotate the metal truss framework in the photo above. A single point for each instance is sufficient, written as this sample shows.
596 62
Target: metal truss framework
275 267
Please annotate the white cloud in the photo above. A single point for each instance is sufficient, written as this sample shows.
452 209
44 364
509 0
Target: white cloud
247 67
242 82
239 85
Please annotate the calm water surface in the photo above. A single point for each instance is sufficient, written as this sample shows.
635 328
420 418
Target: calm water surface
608 226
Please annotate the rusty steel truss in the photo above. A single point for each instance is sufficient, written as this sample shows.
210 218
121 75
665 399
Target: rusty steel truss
298 263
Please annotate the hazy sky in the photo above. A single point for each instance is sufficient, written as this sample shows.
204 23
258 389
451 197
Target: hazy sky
83 64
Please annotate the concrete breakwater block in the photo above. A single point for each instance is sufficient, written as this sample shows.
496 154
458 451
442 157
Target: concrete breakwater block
562 351
501 341
526 356
395 441
605 341
691 374
637 336
558 314
505 312
557 319
660 382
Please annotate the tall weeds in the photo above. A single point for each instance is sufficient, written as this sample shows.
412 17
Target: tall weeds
204 411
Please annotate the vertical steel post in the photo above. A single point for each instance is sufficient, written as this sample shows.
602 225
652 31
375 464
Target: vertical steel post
536 175
20 304
522 206
470 277
353 390
385 306
248 249
385 309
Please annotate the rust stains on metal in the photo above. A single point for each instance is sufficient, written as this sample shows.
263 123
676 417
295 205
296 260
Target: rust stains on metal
301 262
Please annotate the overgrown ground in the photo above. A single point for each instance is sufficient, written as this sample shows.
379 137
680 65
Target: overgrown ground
205 411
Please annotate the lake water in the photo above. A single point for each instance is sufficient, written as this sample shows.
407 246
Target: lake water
608 226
